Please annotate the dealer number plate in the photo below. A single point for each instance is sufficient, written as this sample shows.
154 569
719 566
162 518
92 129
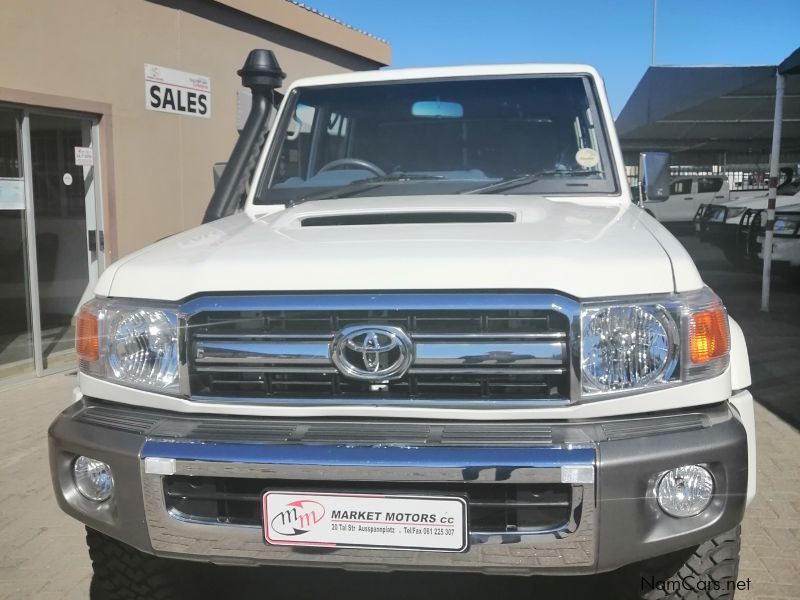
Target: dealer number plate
432 523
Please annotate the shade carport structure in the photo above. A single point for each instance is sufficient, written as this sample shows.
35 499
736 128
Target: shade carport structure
713 114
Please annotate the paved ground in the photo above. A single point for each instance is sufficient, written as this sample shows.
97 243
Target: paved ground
42 554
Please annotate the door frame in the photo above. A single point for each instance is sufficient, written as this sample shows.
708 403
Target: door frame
30 224
102 111
99 116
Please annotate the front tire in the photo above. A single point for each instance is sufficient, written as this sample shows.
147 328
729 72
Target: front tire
124 573
708 572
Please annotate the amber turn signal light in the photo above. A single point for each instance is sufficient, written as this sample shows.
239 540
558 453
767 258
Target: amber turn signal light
87 344
708 335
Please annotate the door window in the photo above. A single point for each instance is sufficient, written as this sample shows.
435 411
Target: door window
294 160
680 187
709 185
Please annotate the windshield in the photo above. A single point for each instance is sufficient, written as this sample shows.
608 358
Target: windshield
515 135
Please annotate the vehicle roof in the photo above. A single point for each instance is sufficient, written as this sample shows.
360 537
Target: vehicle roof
442 72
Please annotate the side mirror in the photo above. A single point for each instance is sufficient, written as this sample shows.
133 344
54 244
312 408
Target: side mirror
654 175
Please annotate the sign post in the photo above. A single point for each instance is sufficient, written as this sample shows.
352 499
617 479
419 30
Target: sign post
774 175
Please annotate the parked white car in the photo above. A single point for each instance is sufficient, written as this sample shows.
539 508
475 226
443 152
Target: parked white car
786 238
437 335
687 194
724 225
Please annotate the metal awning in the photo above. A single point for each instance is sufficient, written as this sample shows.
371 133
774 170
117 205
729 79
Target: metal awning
714 109
791 66
710 109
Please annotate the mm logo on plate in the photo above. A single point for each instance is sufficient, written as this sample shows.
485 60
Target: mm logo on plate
298 517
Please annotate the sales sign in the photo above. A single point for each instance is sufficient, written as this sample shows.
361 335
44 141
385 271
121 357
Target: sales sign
168 90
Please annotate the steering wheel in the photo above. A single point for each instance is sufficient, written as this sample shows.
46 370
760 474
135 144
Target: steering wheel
357 162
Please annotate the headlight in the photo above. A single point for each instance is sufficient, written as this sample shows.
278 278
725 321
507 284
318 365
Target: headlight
132 345
626 347
786 224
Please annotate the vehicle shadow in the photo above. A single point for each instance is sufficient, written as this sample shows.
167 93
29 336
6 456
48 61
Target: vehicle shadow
295 583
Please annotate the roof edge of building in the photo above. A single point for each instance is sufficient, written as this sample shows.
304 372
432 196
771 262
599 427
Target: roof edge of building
305 20
710 66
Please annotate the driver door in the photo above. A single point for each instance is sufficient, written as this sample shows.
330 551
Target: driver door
680 205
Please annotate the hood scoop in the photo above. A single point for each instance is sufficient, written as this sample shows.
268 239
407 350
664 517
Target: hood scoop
408 218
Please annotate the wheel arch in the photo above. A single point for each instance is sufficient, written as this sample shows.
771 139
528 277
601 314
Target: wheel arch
740 362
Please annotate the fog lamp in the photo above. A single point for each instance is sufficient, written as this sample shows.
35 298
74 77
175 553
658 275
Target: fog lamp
685 491
93 478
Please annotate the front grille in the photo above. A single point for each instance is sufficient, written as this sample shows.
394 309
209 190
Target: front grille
497 354
493 509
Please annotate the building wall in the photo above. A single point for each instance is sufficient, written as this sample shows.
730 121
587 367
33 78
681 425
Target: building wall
157 166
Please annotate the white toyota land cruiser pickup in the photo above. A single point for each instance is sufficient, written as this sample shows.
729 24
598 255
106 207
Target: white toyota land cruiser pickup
436 335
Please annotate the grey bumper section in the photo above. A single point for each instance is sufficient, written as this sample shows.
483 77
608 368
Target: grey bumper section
610 466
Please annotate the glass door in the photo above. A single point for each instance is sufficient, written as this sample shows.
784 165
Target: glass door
68 242
16 332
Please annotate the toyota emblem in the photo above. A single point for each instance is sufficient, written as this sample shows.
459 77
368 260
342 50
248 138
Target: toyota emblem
372 352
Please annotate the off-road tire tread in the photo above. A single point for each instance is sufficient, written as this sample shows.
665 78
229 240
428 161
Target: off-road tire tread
716 560
124 573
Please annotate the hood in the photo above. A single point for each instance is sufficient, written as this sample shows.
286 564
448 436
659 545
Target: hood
760 203
585 249
759 199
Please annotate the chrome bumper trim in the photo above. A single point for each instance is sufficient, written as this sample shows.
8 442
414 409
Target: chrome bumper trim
371 458
573 546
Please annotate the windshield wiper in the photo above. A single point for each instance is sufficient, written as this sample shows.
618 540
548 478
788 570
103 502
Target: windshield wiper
363 185
520 180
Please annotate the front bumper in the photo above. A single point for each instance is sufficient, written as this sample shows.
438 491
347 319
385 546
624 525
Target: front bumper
609 466
784 250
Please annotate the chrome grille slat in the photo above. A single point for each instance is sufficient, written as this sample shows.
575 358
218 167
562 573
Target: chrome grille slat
257 347
427 355
484 371
265 369
556 335
264 336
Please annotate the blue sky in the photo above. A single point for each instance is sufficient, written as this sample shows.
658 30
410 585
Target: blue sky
612 35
